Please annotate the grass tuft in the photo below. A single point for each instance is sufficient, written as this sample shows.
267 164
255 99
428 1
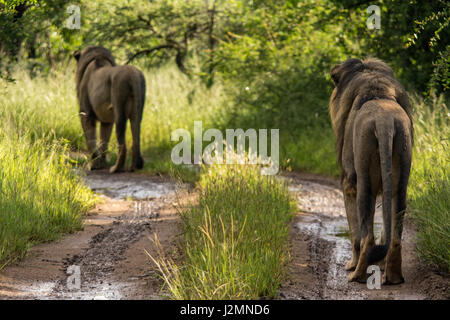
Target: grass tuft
235 242
429 187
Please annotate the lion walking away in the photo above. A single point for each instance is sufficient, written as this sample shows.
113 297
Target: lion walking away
110 94
371 117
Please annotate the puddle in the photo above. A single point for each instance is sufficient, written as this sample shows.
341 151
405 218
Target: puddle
318 198
93 291
126 186
324 220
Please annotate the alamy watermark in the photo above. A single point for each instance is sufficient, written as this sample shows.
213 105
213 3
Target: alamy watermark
74 20
74 278
374 20
214 152
374 281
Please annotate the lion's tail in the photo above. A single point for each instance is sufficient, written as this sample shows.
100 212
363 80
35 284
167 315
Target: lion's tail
385 134
138 88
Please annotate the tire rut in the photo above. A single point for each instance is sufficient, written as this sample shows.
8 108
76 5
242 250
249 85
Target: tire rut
97 263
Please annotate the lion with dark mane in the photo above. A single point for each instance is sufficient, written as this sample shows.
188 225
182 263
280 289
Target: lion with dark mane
110 94
371 117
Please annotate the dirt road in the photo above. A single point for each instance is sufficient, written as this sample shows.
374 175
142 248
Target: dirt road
113 264
110 250
320 249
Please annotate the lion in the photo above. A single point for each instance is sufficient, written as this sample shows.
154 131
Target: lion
371 118
110 94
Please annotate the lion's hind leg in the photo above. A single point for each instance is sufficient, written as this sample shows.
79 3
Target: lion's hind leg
393 265
349 190
105 135
393 268
121 127
366 210
365 200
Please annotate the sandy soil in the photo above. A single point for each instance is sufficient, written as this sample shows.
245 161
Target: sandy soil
111 250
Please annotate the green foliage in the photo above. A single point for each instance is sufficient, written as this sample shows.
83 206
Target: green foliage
238 37
276 64
160 31
412 38
34 33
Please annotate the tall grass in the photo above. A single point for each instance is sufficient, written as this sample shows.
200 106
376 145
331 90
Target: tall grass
429 187
42 107
311 150
41 197
235 239
47 106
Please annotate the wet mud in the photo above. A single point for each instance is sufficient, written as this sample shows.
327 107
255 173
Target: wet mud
109 254
320 248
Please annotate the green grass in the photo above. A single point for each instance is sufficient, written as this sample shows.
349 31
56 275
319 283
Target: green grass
311 151
429 187
47 106
41 196
235 242
42 107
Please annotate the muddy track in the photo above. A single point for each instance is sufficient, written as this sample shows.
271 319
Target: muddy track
110 251
320 249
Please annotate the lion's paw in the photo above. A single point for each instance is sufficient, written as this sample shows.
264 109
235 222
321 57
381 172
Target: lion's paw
116 169
357 277
393 278
351 265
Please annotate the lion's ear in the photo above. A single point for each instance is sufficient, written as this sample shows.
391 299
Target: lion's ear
77 55
335 74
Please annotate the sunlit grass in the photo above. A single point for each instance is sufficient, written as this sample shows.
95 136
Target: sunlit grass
41 196
429 187
235 238
42 107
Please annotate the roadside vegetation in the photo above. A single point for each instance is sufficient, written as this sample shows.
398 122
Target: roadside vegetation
235 242
429 187
41 196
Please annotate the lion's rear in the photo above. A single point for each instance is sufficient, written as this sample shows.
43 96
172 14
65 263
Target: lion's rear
371 117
